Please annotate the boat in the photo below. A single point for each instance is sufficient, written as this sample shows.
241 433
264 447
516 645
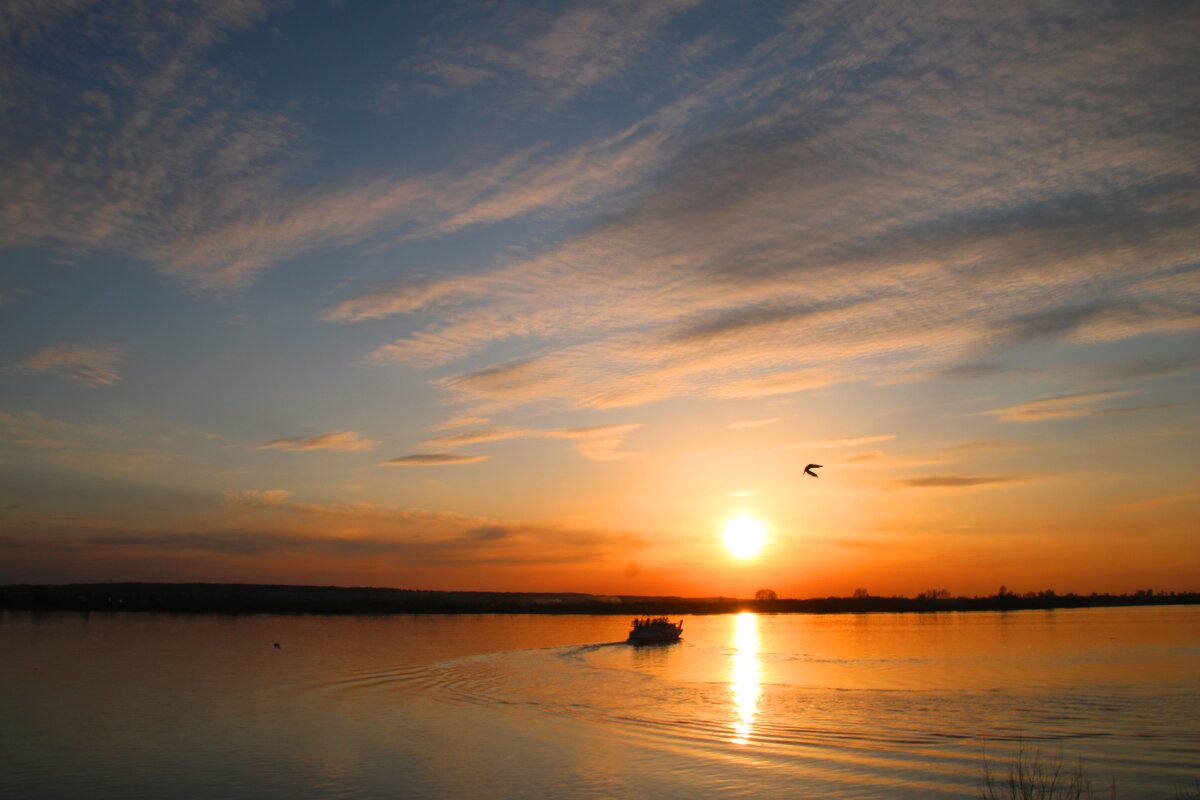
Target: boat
655 630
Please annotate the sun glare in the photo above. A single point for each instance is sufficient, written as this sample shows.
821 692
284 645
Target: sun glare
745 536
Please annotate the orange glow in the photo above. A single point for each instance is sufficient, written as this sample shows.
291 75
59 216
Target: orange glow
745 536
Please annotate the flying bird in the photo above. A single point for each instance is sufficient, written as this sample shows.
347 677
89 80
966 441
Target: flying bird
809 470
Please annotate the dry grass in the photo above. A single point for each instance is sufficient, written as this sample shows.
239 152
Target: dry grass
1188 792
1031 775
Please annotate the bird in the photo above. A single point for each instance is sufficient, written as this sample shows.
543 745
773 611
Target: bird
809 470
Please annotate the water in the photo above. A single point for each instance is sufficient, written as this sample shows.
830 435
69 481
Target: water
850 706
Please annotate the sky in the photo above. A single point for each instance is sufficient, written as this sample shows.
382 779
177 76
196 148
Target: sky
541 296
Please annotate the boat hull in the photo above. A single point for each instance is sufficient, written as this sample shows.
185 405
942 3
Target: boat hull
658 638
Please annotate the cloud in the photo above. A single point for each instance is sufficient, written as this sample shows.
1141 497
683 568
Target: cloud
1052 322
752 254
386 302
357 532
461 421
952 481
154 144
976 369
480 435
432 460
501 380
751 423
30 429
600 442
335 440
1152 503
91 366
878 459
90 446
846 441
718 242
774 384
499 545
216 188
257 498
1068 406
726 323
558 55
352 532
1146 368
10 293
597 442
987 444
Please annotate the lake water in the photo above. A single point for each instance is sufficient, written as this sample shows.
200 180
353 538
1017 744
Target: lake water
844 706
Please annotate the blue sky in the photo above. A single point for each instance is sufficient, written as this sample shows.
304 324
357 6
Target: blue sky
537 295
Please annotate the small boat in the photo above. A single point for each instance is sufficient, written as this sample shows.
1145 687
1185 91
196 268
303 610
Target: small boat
655 630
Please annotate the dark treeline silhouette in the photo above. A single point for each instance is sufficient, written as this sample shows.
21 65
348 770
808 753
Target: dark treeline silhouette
215 598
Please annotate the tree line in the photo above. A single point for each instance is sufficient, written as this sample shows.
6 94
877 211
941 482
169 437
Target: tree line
276 599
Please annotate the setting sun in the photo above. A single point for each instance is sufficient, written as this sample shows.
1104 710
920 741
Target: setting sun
745 536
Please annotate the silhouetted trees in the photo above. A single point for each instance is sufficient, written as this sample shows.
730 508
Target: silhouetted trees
203 598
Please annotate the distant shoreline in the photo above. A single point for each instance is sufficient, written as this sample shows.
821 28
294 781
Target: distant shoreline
218 598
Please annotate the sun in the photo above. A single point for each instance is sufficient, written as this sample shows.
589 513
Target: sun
745 536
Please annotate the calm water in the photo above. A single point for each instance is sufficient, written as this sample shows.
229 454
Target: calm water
871 706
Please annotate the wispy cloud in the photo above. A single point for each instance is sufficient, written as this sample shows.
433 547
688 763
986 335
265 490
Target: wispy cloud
498 545
335 440
845 441
597 442
89 365
30 429
984 445
364 530
1067 406
1152 503
751 423
463 421
751 261
256 498
88 445
1146 368
775 383
212 192
558 55
432 460
952 481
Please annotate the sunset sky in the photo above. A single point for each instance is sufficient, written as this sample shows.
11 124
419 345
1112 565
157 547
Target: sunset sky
532 296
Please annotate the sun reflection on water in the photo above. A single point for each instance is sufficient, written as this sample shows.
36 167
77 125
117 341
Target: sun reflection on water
744 682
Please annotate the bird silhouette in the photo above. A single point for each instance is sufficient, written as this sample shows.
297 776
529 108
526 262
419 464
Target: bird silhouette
809 470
